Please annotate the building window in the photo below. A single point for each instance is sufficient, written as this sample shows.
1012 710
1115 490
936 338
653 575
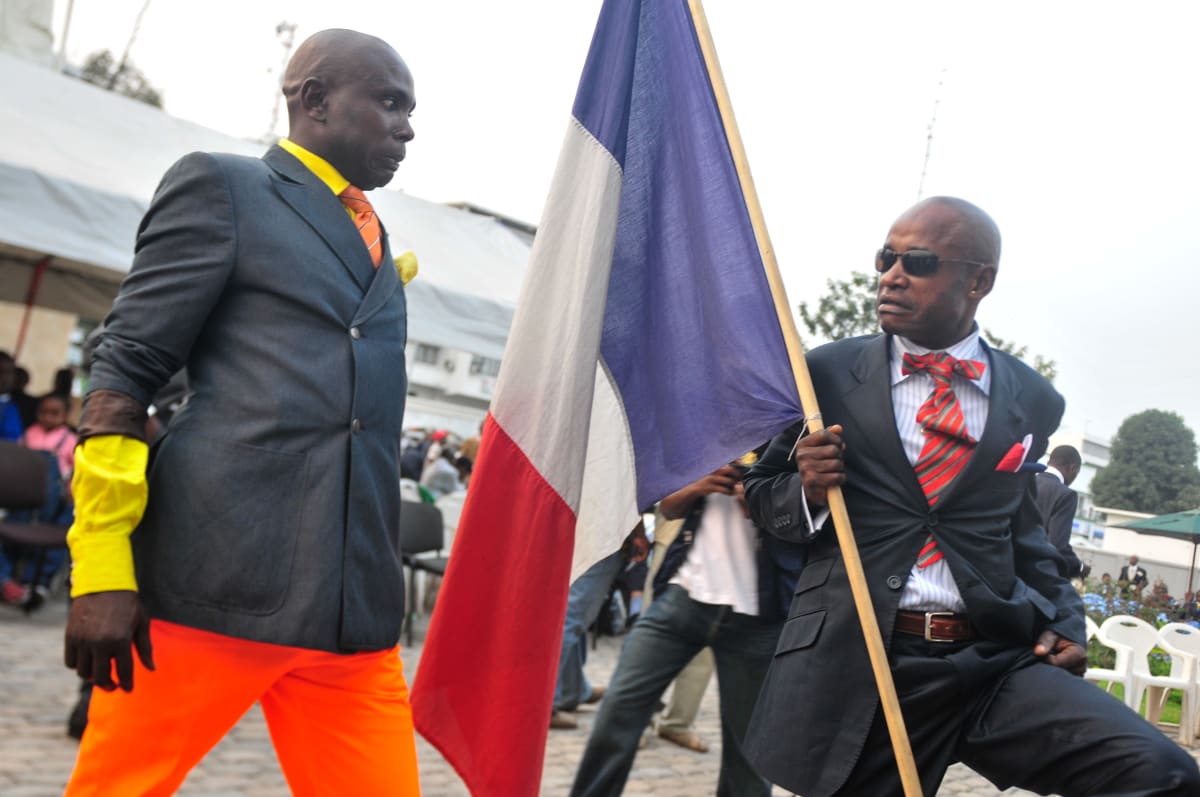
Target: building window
427 354
484 366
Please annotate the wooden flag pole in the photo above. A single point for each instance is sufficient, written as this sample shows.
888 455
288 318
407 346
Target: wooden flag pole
808 400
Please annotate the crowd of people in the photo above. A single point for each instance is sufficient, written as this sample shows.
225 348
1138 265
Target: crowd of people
40 423
277 269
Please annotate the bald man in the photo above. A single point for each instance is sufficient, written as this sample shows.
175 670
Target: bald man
264 565
928 430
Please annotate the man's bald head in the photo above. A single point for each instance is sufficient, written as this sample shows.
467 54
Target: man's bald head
332 56
350 96
973 233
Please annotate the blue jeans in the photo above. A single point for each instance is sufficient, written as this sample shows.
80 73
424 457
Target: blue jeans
584 602
672 631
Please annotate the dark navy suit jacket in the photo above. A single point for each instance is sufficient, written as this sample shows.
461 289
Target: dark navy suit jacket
819 697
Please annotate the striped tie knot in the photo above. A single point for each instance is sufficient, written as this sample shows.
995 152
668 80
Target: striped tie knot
366 221
941 366
941 413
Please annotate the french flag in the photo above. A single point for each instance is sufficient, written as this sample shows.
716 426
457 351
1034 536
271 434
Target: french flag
645 352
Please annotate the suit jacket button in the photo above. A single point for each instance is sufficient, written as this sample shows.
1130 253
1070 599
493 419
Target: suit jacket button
355 426
895 582
355 333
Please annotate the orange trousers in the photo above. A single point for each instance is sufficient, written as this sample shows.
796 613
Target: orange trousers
341 724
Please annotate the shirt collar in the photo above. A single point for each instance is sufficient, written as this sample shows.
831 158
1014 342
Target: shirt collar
969 348
1056 473
317 165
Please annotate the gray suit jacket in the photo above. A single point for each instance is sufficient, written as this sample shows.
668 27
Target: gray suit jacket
274 496
819 698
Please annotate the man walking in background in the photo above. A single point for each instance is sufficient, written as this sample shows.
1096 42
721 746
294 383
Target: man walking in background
1058 502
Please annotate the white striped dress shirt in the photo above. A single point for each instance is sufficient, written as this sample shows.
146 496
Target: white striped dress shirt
932 589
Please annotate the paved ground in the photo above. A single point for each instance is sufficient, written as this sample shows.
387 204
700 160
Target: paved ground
36 693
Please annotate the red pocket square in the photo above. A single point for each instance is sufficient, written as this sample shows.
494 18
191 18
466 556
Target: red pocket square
1011 462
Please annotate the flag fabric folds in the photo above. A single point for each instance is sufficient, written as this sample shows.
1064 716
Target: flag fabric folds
645 352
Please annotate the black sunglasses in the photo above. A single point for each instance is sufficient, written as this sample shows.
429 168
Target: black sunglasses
916 262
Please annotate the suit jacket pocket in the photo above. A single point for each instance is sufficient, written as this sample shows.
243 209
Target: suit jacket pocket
813 575
224 520
800 632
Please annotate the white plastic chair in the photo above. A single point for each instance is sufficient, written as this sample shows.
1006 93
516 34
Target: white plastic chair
1122 672
1142 638
1182 642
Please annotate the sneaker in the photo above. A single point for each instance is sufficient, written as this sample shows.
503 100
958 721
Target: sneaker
562 721
37 597
13 593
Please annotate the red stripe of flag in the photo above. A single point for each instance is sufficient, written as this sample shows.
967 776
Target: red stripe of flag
479 683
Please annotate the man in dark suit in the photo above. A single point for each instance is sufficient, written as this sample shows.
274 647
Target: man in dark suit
264 565
1133 577
1057 502
929 428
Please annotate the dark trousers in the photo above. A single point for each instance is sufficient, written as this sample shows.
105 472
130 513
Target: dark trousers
1018 722
668 636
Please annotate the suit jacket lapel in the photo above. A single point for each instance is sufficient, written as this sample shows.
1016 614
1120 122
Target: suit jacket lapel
383 284
316 204
869 400
1005 426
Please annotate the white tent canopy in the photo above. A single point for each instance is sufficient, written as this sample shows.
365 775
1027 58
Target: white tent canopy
78 166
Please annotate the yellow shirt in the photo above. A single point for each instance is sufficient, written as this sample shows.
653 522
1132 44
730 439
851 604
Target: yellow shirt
109 484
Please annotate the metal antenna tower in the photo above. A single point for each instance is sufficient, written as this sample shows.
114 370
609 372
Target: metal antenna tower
120 70
937 98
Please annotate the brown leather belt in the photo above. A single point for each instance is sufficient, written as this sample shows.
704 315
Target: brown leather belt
935 626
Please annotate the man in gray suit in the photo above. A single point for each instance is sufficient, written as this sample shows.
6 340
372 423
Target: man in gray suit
264 564
929 428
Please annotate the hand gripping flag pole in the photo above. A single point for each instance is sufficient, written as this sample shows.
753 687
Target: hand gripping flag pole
808 399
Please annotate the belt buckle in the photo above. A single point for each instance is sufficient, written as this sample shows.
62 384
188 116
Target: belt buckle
929 637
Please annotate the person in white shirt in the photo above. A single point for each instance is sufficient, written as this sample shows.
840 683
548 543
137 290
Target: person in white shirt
723 584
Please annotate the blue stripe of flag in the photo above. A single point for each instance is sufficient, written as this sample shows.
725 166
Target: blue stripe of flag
690 332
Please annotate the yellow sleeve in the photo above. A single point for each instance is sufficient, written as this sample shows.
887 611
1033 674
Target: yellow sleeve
110 492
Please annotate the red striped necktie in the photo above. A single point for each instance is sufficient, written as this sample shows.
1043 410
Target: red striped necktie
366 221
947 446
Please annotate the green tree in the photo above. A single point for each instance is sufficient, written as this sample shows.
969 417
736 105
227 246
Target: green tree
103 70
1153 466
848 308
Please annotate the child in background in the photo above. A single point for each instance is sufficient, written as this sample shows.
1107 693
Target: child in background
52 435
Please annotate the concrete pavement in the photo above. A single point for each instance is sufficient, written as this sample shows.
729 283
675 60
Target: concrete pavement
37 692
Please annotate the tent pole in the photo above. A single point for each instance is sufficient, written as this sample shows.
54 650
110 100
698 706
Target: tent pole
1192 570
30 297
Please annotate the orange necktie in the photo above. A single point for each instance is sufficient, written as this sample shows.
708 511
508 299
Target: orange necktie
366 221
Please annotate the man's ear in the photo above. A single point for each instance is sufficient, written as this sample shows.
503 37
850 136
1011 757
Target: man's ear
981 282
313 98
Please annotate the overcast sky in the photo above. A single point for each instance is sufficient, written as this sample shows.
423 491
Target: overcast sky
1073 124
